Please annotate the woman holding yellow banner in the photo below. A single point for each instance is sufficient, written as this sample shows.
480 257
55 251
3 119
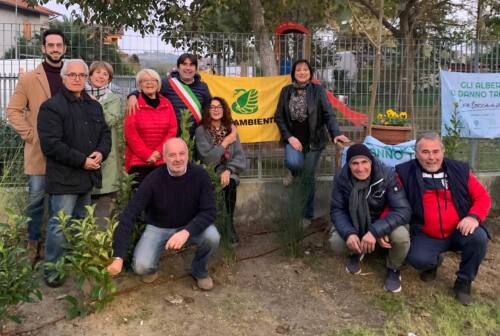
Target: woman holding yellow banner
218 143
303 112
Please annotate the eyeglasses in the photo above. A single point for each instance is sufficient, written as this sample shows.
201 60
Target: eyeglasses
149 81
55 45
216 107
73 75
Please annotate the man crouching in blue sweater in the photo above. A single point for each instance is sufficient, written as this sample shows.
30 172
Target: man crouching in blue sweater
180 207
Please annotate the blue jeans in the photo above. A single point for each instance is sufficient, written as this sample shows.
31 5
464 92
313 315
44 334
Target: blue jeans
424 251
152 244
304 164
73 205
35 206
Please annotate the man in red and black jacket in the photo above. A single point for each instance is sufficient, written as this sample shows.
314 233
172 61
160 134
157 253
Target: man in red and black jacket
449 204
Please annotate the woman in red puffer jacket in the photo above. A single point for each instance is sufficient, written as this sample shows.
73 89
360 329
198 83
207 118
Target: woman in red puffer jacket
146 130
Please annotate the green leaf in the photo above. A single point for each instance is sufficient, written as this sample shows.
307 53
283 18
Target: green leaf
72 313
102 293
71 299
15 318
38 294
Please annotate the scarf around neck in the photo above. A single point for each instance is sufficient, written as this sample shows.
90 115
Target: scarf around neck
98 93
297 103
217 134
358 205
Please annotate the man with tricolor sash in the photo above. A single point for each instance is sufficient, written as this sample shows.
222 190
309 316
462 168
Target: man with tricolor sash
184 89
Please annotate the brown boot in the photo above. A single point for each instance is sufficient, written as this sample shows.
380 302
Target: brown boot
32 248
205 284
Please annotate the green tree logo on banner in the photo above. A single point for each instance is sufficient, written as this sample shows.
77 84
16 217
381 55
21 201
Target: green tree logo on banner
247 101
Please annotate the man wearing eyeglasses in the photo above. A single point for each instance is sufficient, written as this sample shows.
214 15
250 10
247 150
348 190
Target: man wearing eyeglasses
75 140
33 88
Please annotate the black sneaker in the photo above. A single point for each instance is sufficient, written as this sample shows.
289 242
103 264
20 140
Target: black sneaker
353 264
462 291
392 281
431 274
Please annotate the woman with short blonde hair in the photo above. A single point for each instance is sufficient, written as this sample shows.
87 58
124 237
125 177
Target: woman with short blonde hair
147 72
152 124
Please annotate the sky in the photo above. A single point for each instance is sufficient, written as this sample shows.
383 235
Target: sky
60 8
131 43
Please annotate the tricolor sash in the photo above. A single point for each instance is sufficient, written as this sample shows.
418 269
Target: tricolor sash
188 98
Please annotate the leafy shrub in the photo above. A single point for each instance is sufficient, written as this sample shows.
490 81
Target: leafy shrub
222 222
453 140
11 156
89 252
17 276
291 230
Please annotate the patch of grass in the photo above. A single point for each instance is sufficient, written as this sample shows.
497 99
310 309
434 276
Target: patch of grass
143 314
437 314
318 264
352 331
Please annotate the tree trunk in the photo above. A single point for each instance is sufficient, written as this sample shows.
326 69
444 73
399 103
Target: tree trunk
376 70
407 69
263 39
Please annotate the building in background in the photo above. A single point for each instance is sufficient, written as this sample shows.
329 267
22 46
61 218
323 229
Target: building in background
17 13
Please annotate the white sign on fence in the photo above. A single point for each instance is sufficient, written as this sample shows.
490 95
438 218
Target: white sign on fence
477 99
390 155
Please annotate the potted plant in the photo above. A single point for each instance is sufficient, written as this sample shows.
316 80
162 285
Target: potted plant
390 127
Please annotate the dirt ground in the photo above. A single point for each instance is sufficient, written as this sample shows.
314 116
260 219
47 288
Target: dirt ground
268 295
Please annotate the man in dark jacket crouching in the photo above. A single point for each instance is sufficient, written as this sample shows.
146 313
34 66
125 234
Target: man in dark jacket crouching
368 206
75 140
449 204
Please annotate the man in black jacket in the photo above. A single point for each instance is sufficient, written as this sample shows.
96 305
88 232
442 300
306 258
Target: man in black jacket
75 140
368 206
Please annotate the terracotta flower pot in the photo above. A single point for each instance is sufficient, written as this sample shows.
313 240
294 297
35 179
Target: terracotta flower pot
391 135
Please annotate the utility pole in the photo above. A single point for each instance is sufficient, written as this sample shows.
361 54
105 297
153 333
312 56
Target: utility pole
474 142
16 35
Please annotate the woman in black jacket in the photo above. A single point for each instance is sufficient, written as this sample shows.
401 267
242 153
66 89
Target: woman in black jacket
303 112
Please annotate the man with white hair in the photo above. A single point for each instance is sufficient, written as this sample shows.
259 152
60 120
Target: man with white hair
180 208
75 140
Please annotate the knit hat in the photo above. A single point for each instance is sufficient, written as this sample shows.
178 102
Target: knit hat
358 150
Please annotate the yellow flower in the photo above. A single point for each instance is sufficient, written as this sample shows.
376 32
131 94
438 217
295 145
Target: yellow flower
386 123
391 113
380 116
403 115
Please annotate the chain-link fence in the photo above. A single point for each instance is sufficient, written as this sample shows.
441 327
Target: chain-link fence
409 77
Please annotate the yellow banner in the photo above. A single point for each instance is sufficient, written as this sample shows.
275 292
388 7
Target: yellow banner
253 102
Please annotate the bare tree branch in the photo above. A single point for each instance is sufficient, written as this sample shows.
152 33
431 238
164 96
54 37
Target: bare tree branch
375 13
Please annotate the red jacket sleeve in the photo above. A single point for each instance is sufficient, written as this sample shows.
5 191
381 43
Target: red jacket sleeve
134 140
481 200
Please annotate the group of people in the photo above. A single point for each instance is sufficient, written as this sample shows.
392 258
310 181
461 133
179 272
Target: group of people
416 212
68 116
427 206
